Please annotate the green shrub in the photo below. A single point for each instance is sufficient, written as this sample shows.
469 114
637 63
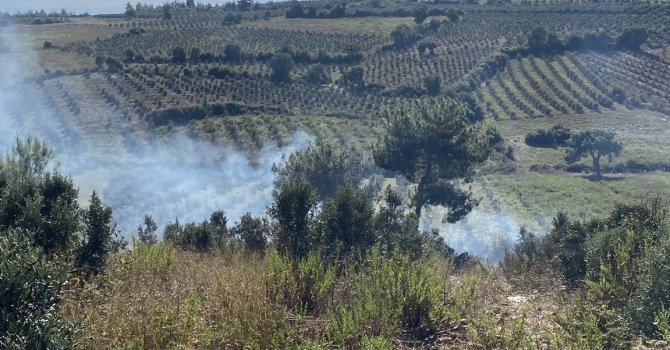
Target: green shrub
663 323
294 213
100 237
579 329
623 260
557 136
650 298
528 255
347 223
305 286
147 235
565 245
32 198
158 257
253 232
393 294
30 288
203 237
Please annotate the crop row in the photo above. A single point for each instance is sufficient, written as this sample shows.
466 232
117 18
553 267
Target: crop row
532 87
640 78
160 42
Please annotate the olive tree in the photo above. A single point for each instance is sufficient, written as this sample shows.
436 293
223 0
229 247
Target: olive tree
596 143
31 285
281 66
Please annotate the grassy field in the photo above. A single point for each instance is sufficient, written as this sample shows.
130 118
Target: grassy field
535 199
645 135
61 34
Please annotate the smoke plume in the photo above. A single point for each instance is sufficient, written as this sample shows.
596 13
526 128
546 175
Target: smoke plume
484 234
168 178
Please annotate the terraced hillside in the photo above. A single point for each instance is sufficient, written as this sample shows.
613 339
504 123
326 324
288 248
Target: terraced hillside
577 82
535 87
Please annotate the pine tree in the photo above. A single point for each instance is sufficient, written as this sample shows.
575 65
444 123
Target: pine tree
147 235
100 236
434 144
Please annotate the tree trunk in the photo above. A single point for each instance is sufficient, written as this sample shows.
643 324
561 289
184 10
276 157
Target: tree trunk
596 166
417 208
420 198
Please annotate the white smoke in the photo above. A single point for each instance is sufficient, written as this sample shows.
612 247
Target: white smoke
487 235
182 178
174 177
12 55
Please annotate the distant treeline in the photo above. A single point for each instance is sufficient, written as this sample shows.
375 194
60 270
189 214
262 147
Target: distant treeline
233 54
184 115
339 11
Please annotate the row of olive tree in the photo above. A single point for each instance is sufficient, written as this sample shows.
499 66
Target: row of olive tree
541 41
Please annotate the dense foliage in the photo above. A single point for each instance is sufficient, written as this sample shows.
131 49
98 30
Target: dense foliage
434 144
30 287
595 143
44 238
556 136
620 260
325 165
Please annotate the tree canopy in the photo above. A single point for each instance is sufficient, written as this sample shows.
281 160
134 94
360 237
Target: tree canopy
434 144
325 165
281 66
596 143
402 36
348 220
294 212
632 38
542 41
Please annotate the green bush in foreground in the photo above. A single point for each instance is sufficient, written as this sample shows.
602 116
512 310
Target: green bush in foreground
30 289
391 295
623 262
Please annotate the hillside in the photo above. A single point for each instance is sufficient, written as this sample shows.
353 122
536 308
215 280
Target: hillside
326 174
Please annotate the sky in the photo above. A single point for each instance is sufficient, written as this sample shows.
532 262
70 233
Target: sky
78 6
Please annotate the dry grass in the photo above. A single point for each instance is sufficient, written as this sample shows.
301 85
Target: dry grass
162 298
77 29
176 299
60 34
